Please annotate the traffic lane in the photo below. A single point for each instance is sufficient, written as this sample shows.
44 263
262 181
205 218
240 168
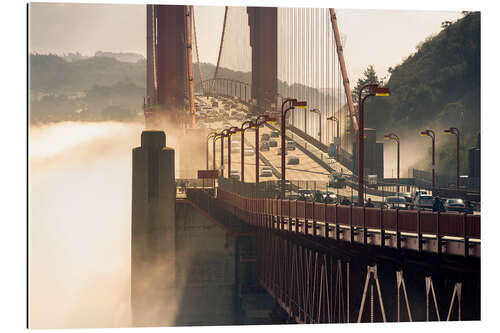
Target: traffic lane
309 170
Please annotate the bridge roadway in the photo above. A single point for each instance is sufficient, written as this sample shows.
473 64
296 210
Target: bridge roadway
307 169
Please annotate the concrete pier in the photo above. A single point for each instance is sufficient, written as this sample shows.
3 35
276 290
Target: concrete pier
186 269
153 230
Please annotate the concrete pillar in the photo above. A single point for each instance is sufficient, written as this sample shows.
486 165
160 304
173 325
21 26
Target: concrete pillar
153 280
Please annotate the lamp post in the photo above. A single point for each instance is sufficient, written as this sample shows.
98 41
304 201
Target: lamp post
224 133
209 136
430 133
318 112
243 129
217 136
374 90
293 103
454 130
256 124
395 138
231 130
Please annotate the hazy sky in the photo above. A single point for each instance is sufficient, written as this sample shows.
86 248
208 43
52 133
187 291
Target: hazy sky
378 37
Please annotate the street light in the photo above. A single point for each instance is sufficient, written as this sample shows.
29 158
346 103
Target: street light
293 104
430 133
395 138
374 90
223 134
256 124
209 136
454 130
243 129
318 112
217 136
232 130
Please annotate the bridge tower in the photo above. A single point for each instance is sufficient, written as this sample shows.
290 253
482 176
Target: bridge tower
168 65
263 22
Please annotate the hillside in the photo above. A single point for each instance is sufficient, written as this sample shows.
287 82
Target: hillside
437 87
100 87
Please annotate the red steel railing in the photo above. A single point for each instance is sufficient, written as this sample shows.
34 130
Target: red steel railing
332 220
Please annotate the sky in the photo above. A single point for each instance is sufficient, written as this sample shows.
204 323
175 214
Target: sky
381 38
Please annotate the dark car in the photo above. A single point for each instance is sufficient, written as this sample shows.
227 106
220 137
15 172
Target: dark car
273 143
264 146
290 145
454 205
336 181
265 137
275 134
293 160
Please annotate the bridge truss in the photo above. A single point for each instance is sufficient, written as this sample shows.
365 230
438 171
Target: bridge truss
321 268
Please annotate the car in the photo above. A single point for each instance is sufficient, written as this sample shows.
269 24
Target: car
275 134
290 145
203 113
395 202
235 174
273 143
406 195
279 151
287 186
249 151
355 201
215 104
454 205
265 137
293 196
264 146
424 201
293 160
331 195
266 171
305 195
417 193
336 181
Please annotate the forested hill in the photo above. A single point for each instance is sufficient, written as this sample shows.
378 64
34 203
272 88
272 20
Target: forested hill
439 85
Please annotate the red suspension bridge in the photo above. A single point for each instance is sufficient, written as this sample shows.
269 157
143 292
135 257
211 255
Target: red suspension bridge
322 262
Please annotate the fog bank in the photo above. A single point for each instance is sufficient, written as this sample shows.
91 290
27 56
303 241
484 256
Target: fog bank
79 224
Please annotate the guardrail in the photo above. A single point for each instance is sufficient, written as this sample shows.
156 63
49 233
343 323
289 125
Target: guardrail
356 224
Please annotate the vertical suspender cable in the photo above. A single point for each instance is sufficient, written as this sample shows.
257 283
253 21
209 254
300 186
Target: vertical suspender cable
196 48
221 43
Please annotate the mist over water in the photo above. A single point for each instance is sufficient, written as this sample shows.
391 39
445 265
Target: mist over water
79 224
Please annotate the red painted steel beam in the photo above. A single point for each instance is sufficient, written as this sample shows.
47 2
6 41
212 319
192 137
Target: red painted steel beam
171 60
263 22
340 54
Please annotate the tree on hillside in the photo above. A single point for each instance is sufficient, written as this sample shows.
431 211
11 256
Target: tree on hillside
369 76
